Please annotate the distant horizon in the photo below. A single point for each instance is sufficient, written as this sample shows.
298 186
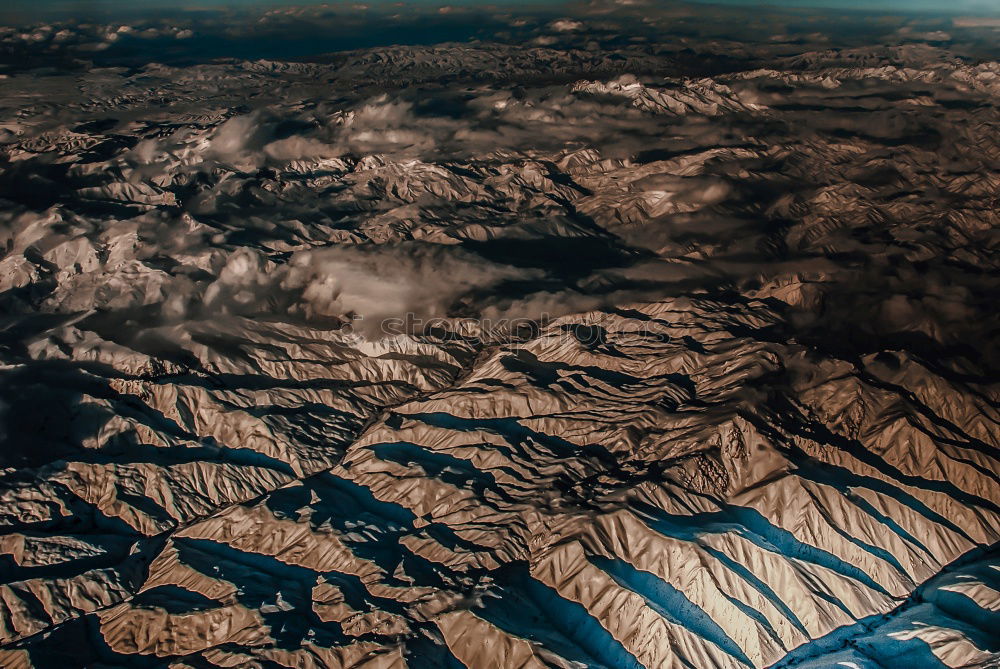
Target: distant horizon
109 9
192 31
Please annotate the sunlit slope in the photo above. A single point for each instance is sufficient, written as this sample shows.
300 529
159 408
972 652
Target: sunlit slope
755 403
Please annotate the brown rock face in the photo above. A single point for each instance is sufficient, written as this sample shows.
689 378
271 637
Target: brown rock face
631 340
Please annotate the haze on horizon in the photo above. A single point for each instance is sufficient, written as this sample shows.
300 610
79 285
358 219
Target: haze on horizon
110 8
